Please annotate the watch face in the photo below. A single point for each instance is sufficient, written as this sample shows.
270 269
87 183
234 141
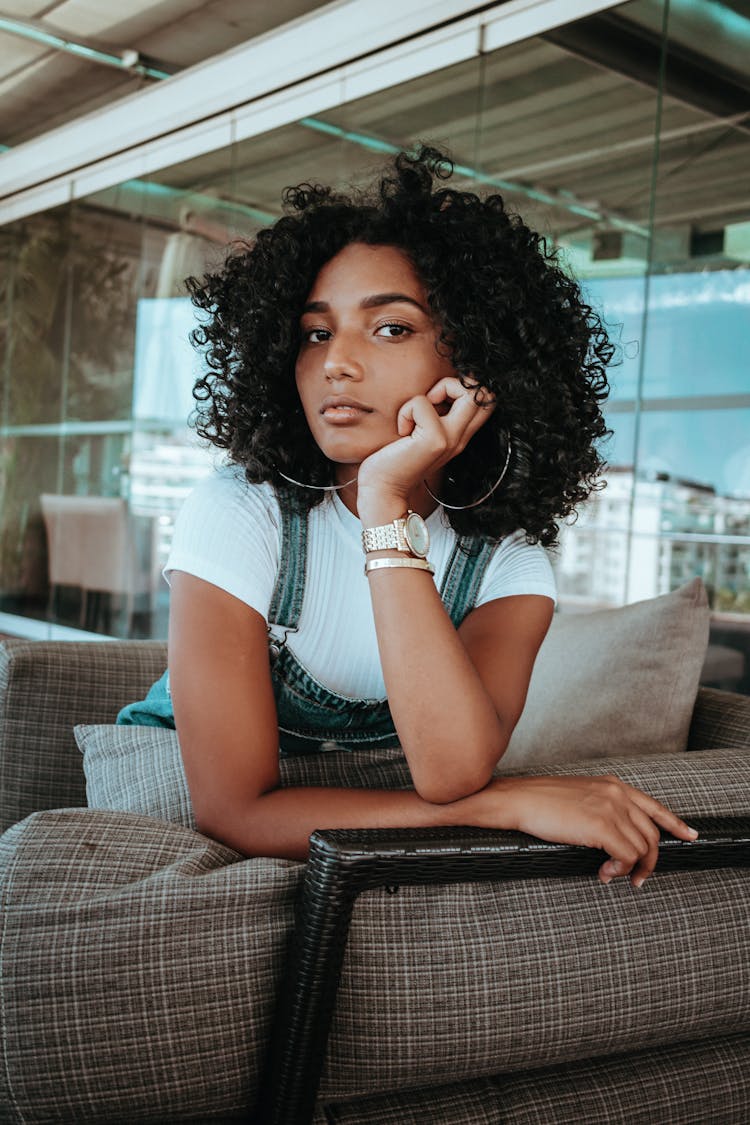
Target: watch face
417 535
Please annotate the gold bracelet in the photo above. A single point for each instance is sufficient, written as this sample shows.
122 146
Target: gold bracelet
413 564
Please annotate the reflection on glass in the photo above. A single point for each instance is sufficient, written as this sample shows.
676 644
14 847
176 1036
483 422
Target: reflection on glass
697 324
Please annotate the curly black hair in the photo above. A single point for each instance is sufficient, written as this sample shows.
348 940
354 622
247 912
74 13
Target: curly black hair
511 319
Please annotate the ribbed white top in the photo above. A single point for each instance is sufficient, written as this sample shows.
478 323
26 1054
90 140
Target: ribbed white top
229 533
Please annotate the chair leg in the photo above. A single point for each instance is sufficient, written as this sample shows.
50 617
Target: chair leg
298 1043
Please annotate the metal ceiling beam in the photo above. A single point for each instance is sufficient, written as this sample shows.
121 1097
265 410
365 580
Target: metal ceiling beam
125 58
610 41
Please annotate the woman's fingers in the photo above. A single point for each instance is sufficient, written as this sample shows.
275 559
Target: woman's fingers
450 386
646 815
643 835
600 812
663 817
462 410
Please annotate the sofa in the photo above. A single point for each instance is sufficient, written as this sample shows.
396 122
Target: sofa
152 974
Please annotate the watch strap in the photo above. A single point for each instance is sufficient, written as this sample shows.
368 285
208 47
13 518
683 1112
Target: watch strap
386 537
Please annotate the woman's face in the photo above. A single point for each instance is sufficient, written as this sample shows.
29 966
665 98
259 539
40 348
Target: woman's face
368 345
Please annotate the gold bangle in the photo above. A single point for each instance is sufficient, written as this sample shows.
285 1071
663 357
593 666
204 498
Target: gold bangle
413 564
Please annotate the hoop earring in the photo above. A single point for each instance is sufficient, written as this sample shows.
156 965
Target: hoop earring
461 507
318 487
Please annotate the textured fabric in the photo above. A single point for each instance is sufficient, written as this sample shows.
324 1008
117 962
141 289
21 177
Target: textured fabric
228 533
467 981
140 964
720 718
461 1103
618 681
703 1083
45 689
691 1084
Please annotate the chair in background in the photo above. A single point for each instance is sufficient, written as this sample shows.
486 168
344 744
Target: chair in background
96 544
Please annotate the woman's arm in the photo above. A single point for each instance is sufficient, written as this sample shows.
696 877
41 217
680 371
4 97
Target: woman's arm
455 696
226 719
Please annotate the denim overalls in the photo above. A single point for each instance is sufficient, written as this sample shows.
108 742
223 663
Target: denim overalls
311 717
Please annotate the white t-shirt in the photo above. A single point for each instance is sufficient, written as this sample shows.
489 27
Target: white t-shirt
229 533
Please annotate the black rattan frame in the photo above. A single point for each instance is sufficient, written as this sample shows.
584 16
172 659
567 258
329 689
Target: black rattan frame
345 862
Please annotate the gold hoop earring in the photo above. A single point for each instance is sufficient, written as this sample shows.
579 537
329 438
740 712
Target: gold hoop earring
475 503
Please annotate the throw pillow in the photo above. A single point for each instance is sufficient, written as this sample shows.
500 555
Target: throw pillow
615 682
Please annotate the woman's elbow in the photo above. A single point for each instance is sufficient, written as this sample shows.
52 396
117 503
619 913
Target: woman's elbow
445 790
460 779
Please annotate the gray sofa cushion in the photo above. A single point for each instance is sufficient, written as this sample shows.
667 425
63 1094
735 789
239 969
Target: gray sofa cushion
140 963
46 687
702 1083
617 681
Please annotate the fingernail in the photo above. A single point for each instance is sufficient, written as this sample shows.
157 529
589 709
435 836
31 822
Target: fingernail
639 881
606 879
693 831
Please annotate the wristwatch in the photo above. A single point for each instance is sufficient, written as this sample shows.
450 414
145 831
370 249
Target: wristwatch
408 534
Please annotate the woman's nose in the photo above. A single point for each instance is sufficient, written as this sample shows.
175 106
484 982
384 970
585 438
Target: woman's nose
341 360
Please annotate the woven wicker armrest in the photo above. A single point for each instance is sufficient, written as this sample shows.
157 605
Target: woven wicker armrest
345 862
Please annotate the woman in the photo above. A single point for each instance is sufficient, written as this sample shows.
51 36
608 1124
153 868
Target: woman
404 380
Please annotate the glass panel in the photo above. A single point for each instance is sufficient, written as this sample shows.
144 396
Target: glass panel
694 433
98 369
34 345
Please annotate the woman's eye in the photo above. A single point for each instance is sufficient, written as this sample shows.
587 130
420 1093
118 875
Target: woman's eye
393 331
316 335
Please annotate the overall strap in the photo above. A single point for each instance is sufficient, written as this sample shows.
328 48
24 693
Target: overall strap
286 603
463 575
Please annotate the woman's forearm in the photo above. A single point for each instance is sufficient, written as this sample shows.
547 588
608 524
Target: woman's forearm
279 823
447 724
596 812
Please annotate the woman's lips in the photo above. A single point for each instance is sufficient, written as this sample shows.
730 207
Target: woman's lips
341 410
344 415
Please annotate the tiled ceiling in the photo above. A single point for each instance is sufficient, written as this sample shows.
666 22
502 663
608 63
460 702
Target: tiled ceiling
42 87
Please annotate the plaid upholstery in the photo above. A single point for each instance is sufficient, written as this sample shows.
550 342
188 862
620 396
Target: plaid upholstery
139 769
710 783
140 964
462 1103
720 718
701 1083
691 1084
140 961
45 689
464 981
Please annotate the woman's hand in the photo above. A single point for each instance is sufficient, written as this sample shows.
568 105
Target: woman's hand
596 812
433 429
